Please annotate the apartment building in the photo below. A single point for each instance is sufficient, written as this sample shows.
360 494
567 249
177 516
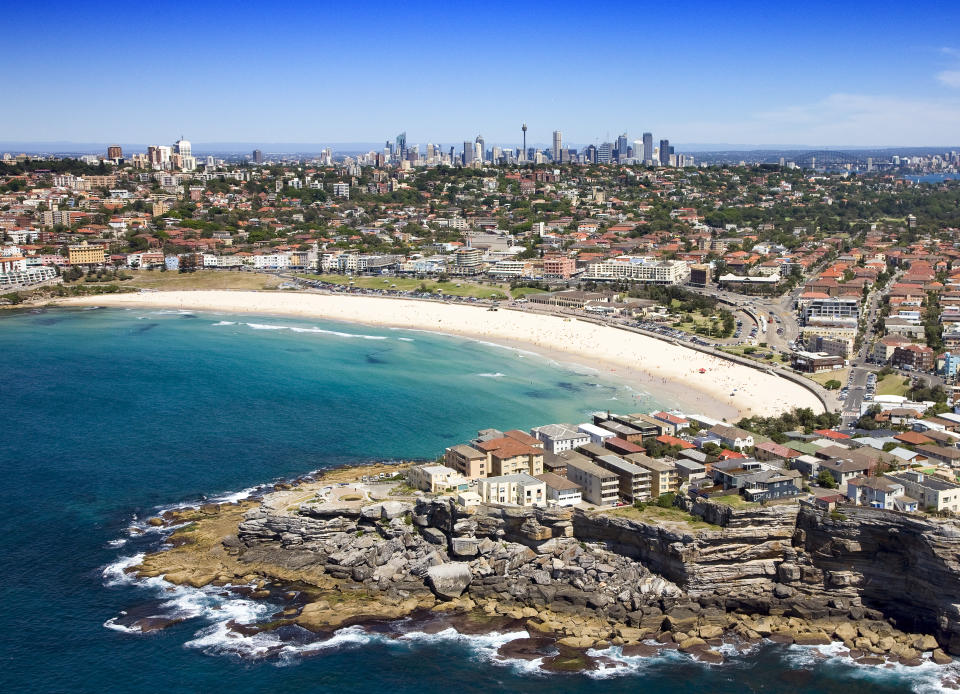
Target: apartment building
639 269
508 456
86 254
519 489
466 460
599 486
558 438
930 492
664 477
635 483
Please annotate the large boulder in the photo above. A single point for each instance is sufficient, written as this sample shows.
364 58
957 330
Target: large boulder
448 581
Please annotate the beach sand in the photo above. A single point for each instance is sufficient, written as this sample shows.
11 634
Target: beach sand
726 390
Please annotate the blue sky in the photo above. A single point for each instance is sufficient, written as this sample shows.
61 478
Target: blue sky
854 73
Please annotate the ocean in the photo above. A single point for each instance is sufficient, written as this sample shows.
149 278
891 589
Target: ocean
113 414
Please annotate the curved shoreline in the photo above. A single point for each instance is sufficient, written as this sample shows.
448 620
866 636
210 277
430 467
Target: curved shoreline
673 371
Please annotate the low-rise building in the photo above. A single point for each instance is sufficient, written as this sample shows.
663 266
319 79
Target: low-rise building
599 486
436 478
508 456
561 491
558 438
519 489
635 482
664 477
932 493
467 460
879 492
734 437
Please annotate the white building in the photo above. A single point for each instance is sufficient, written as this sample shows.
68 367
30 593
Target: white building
520 489
558 438
597 434
639 269
436 478
561 491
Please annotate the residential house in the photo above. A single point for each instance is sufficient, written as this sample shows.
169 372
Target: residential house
436 478
560 490
879 492
734 437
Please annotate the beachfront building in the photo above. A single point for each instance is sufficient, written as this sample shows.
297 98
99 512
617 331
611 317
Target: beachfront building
466 460
599 486
436 478
520 490
879 492
561 491
597 434
558 438
932 493
508 456
641 269
664 477
635 482
734 437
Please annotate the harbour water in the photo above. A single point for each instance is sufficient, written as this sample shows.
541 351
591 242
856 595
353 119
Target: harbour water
110 415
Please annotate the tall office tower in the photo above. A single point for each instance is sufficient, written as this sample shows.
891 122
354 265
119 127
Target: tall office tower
604 153
523 153
401 147
648 148
591 154
210 163
483 148
622 147
557 145
497 155
468 153
114 152
257 156
664 152
182 147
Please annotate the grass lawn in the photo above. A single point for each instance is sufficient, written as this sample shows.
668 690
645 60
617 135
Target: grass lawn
893 384
201 279
734 501
824 376
656 515
407 284
741 350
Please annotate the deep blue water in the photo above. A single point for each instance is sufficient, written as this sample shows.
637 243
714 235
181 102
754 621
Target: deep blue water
108 415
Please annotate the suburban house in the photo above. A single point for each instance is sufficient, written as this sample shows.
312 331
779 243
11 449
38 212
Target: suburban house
843 471
599 486
768 450
756 480
519 489
879 492
561 491
734 437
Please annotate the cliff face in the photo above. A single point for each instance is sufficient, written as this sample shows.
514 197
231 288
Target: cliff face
781 561
907 567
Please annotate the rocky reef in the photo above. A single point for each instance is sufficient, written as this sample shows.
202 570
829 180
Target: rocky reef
885 584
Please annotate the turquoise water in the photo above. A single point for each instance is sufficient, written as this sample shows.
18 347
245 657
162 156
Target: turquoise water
111 414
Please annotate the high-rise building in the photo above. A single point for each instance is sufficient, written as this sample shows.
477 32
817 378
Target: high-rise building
257 156
114 152
483 148
523 154
664 152
648 148
557 145
622 147
183 147
468 151
590 154
604 153
401 146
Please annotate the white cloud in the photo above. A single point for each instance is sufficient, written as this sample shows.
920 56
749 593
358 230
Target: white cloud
951 78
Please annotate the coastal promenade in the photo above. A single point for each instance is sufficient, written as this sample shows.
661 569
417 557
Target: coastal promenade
694 380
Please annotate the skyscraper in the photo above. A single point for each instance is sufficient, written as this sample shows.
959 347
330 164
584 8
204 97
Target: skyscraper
114 152
604 153
664 152
467 153
622 147
648 148
257 156
483 148
557 145
401 146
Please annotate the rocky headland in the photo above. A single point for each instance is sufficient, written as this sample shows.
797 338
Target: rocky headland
886 585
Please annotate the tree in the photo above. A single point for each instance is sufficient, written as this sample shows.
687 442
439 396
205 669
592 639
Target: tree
825 479
832 384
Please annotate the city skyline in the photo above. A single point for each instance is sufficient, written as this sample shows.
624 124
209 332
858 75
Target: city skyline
829 76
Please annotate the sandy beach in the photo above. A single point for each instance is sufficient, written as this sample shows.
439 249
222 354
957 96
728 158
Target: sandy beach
725 390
